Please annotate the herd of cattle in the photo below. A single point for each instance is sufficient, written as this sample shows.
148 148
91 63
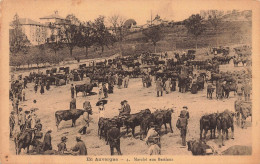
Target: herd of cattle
147 63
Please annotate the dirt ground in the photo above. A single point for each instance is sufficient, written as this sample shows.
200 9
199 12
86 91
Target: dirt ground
58 98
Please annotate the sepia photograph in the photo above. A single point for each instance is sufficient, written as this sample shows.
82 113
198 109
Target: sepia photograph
127 79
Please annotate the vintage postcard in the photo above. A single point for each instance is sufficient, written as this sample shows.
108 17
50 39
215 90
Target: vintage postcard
125 81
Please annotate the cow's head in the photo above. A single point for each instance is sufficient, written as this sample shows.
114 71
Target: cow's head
189 143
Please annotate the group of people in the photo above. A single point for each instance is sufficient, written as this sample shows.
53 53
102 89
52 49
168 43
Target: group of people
165 84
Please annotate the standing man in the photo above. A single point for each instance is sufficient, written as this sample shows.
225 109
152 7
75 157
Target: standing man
80 147
73 103
21 119
247 91
120 81
72 91
87 109
47 141
159 86
182 124
11 123
167 85
42 88
239 89
23 94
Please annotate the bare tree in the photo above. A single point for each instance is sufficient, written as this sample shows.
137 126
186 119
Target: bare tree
119 30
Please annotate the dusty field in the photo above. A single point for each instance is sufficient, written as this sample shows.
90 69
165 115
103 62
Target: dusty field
139 98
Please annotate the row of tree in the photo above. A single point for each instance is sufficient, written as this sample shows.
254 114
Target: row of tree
75 33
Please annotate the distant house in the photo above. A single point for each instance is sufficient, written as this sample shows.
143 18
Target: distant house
157 21
34 31
40 32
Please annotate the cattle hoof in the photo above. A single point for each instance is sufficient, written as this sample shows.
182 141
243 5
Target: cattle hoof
232 138
219 146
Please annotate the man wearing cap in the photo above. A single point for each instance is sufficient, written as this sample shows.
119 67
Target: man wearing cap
125 109
80 146
62 146
11 123
47 140
182 124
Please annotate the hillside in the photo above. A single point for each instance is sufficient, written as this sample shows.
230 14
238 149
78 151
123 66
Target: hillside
235 28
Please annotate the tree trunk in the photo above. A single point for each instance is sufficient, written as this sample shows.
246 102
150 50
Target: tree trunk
102 48
154 48
86 51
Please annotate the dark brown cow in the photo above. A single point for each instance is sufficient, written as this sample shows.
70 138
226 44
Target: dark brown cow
135 120
208 122
72 114
163 117
85 88
198 147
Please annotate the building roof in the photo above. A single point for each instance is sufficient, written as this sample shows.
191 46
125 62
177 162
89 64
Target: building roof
28 21
53 16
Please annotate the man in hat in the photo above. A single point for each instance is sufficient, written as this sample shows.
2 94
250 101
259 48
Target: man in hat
185 112
113 135
72 91
21 119
125 109
182 124
47 140
210 90
85 119
62 146
11 123
159 86
80 146
38 145
101 110
154 149
73 103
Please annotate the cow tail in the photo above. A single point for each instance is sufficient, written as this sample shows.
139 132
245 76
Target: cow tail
57 120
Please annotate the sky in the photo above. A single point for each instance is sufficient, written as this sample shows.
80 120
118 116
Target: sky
90 9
